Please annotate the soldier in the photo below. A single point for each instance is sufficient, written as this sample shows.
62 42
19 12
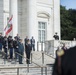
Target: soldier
21 50
56 36
65 64
5 46
15 45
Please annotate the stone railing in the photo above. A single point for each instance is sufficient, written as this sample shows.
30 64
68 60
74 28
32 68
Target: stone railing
51 46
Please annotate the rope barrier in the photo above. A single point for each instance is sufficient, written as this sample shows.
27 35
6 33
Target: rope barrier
28 59
37 58
49 56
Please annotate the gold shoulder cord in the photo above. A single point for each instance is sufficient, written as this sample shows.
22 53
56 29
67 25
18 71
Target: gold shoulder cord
59 53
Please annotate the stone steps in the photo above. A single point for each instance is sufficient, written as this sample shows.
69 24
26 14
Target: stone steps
32 71
36 58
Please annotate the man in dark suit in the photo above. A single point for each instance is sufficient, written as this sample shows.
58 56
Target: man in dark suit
17 37
65 63
10 43
28 52
15 45
33 43
25 42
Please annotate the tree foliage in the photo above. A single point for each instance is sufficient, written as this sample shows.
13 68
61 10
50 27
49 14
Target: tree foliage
68 23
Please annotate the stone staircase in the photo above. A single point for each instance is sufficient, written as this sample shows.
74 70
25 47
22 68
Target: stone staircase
33 68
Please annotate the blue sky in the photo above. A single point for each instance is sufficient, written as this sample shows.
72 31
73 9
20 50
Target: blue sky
69 3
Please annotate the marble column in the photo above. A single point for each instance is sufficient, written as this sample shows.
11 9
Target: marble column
56 15
31 19
14 12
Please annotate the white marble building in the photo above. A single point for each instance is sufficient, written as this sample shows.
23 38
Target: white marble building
38 18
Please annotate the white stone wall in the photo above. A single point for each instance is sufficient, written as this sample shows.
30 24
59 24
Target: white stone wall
6 5
46 9
22 18
44 1
1 16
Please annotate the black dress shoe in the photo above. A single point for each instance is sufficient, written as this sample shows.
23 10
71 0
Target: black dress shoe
20 63
28 63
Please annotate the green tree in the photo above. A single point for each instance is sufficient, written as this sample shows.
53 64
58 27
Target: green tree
68 23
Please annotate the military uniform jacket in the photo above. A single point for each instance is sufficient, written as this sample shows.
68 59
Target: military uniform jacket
66 63
56 37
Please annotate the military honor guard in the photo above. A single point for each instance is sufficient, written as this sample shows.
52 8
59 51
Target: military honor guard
65 63
56 37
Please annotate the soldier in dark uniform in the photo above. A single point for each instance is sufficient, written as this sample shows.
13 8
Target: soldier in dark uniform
1 41
15 46
5 46
28 51
65 64
11 47
56 36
